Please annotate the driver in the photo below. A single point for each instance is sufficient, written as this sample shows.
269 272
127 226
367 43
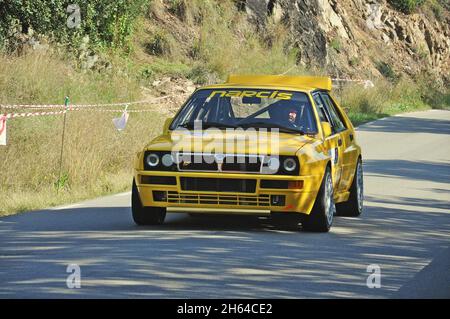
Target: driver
289 115
292 116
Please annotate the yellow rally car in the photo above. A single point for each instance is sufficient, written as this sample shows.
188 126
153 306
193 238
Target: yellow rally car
279 146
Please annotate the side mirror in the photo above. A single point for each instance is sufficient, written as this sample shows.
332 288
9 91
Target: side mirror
326 128
167 125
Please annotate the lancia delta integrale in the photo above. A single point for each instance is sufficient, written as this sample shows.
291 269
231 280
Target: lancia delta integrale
278 146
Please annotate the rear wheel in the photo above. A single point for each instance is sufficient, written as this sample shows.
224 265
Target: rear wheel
143 215
322 214
354 206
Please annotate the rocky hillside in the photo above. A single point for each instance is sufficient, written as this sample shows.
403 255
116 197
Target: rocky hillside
362 37
346 38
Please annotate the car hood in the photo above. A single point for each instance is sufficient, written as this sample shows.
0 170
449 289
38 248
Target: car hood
217 142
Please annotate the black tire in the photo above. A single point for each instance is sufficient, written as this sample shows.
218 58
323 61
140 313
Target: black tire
145 215
354 206
322 214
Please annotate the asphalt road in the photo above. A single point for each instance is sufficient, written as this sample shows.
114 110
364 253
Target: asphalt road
405 230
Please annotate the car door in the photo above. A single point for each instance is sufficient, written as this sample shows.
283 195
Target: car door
346 137
351 151
334 142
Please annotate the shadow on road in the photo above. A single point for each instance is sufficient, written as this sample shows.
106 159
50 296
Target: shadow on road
213 256
413 170
406 124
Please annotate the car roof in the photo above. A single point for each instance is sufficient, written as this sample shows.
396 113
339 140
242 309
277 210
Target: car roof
279 82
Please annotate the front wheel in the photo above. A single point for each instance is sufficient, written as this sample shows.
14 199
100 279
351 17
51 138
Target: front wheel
143 215
354 206
322 214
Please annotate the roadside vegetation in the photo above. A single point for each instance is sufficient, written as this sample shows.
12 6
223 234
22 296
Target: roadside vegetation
119 63
407 6
392 97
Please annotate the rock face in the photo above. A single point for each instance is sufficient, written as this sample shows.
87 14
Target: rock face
352 37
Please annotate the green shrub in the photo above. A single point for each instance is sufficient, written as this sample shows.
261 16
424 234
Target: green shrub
366 101
177 7
434 93
199 74
164 67
107 23
437 9
159 44
406 6
336 44
386 70
354 61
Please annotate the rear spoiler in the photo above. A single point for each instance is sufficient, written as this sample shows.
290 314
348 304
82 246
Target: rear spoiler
314 82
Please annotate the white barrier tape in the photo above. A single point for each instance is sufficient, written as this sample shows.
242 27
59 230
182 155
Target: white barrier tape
347 80
288 70
367 83
29 106
96 110
32 114
48 106
73 108
149 101
13 115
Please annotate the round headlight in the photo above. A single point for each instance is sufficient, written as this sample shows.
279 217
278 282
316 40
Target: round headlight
152 160
289 164
273 164
167 160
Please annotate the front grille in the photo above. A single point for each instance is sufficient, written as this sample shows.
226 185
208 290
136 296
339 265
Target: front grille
197 162
218 199
220 163
248 164
230 185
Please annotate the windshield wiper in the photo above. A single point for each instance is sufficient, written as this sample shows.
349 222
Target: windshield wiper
191 125
282 129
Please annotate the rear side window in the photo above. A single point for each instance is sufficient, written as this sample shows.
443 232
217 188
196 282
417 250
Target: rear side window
338 122
321 109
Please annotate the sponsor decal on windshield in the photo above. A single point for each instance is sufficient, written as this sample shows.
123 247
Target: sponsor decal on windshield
248 93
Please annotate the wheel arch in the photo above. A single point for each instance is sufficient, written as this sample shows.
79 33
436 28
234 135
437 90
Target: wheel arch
359 158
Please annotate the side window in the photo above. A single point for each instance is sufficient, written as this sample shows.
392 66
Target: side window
321 108
338 123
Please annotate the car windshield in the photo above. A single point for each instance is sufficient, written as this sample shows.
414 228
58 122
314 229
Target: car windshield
257 108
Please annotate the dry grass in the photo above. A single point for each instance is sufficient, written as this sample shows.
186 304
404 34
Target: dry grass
97 158
384 99
229 44
46 77
215 37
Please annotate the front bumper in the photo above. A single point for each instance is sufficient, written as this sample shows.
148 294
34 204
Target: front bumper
299 199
